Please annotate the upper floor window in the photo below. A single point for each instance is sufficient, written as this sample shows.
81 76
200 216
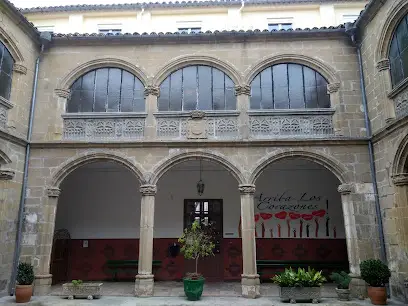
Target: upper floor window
188 26
289 86
107 90
110 29
6 71
398 55
279 26
189 30
349 18
46 29
197 88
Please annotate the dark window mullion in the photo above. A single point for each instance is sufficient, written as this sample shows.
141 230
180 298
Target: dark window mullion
107 92
317 90
273 98
120 91
1 59
304 86
287 76
94 91
225 92
197 88
133 95
170 76
182 89
212 88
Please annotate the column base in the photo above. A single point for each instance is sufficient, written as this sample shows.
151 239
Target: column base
250 286
42 284
144 285
358 287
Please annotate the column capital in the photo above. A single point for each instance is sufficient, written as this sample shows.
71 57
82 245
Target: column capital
333 87
148 190
62 93
345 188
53 192
246 188
400 179
19 68
383 64
244 89
6 174
151 90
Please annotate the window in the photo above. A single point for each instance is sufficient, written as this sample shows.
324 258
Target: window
289 86
110 29
188 26
46 29
398 54
349 18
107 90
279 26
189 30
197 88
6 71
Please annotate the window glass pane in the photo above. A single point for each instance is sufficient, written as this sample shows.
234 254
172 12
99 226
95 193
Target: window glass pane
310 87
296 97
5 83
273 26
139 97
280 86
1 53
114 86
163 101
256 93
87 92
204 88
402 35
230 98
322 95
75 99
190 88
396 71
286 26
394 51
7 63
101 92
266 89
218 89
126 96
175 91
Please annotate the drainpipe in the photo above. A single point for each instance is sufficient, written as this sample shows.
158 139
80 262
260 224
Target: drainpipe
351 30
45 37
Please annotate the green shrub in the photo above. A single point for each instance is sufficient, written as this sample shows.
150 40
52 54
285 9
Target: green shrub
25 274
76 282
301 278
342 279
375 272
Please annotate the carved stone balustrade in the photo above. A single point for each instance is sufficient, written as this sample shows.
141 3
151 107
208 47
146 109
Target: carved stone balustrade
5 105
401 104
104 126
317 123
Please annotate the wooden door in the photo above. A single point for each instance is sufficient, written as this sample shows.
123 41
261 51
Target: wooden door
208 211
60 256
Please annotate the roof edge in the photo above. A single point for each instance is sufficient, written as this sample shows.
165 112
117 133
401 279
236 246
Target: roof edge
371 9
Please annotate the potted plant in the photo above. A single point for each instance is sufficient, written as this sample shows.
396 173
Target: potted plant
25 280
301 285
79 289
196 242
376 274
342 280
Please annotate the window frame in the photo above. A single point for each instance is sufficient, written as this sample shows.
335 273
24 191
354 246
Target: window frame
5 51
110 29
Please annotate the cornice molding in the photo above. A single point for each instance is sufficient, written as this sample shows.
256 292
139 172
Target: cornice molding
148 190
383 64
19 68
62 93
246 189
242 90
400 179
333 87
345 188
6 174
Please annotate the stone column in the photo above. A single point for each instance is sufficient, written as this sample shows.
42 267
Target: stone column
250 278
384 72
151 93
63 96
145 278
43 278
333 91
357 285
243 92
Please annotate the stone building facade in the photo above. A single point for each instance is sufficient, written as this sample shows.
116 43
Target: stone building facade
242 140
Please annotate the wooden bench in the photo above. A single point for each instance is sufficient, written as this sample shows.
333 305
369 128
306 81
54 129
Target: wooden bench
116 266
326 267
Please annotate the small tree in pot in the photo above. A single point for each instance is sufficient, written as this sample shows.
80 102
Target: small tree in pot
376 274
196 241
342 280
25 280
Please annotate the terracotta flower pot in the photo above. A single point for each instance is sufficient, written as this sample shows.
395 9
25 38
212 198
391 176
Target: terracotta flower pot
378 295
23 293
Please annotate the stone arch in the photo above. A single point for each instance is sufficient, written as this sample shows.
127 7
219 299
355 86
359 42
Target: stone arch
82 69
169 162
11 45
329 163
74 163
184 61
401 157
393 17
325 70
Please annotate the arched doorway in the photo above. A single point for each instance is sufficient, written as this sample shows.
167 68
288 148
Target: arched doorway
99 206
178 203
298 217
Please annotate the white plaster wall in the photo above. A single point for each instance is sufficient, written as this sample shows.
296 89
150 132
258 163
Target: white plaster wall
99 202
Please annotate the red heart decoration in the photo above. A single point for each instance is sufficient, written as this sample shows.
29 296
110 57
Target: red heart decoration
256 217
307 217
266 216
319 213
294 216
281 215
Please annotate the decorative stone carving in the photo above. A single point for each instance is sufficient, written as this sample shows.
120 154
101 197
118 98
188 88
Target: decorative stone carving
53 192
333 87
345 188
6 174
401 104
197 114
148 190
19 68
242 90
400 179
152 90
383 64
62 93
246 189
86 290
197 126
5 105
294 294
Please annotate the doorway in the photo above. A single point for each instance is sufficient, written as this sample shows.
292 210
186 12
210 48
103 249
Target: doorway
60 256
207 211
